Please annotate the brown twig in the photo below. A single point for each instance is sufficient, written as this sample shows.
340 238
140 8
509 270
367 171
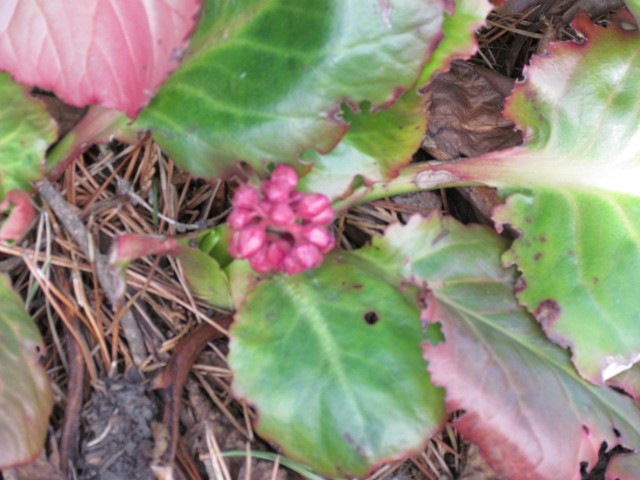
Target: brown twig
172 379
106 276
75 386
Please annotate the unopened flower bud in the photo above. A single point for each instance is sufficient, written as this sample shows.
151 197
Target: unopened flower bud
251 239
325 217
240 218
319 236
286 175
276 191
281 214
307 255
313 204
291 266
245 197
259 261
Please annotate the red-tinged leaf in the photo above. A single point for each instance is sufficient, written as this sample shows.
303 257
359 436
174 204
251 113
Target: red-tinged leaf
629 381
21 214
129 247
25 394
263 81
524 404
575 196
114 53
378 143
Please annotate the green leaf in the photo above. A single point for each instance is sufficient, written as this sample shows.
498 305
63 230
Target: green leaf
25 394
634 6
331 361
26 130
575 196
378 143
524 404
205 277
263 80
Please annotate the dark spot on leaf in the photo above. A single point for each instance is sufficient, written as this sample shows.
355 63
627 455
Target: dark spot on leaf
543 239
440 237
547 312
596 280
571 253
521 284
528 219
537 256
357 286
586 429
371 317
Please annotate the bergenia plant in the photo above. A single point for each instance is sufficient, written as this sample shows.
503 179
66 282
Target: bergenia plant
278 227
354 358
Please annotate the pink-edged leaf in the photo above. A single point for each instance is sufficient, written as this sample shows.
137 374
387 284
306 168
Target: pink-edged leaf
115 53
379 143
574 196
21 214
25 393
523 403
129 247
263 81
623 467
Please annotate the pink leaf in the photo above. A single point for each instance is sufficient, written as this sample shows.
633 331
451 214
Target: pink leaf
115 53
20 218
130 247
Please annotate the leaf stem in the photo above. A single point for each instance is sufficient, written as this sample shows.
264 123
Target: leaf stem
414 178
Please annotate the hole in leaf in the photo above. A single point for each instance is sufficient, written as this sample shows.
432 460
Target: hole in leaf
371 317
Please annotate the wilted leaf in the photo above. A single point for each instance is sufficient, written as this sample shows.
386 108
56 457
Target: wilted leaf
378 143
109 52
25 395
524 404
264 80
575 196
26 130
331 360
465 113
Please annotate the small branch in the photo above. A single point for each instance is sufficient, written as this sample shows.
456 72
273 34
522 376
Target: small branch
107 277
172 379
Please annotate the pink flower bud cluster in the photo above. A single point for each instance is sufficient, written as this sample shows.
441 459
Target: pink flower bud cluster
279 228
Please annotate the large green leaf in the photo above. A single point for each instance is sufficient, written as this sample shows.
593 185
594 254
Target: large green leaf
575 196
331 360
25 395
524 404
378 143
263 80
26 130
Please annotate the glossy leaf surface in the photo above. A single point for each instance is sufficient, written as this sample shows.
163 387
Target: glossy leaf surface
263 81
25 395
26 130
331 360
575 196
378 143
109 52
525 406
